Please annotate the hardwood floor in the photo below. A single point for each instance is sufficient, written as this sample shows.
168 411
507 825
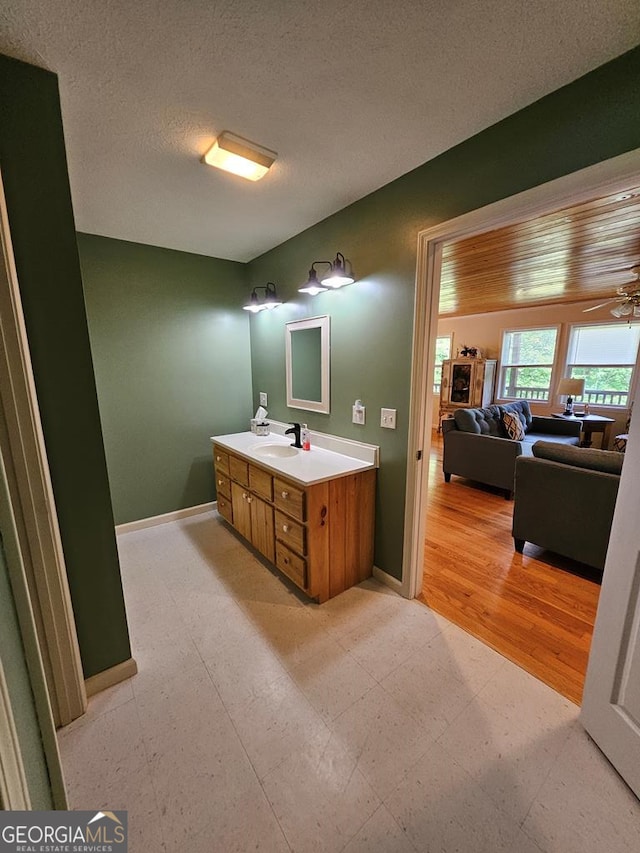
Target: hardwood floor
536 608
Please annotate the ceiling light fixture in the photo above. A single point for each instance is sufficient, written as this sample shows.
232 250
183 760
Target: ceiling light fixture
267 302
239 156
339 274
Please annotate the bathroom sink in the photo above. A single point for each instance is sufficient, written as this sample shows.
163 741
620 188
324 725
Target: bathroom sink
278 451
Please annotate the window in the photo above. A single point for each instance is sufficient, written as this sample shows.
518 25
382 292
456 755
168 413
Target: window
443 351
526 363
605 356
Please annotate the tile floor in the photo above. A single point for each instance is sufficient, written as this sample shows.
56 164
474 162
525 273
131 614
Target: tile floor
259 721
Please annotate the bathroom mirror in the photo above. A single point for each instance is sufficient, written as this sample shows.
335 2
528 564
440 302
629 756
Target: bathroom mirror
307 362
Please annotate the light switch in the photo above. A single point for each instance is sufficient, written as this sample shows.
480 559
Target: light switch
263 398
388 418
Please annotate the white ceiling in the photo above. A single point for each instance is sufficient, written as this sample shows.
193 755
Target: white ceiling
350 93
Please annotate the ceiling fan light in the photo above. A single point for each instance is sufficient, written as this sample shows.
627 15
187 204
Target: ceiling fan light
617 311
636 310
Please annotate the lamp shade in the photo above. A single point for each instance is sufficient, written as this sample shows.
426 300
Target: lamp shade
571 387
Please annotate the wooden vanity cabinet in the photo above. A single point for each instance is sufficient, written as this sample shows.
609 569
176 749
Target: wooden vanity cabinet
320 536
253 519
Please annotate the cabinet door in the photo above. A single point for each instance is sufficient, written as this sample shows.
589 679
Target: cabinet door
262 537
241 510
461 382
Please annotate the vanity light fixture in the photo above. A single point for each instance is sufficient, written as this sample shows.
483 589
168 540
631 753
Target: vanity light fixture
312 285
339 274
267 302
240 156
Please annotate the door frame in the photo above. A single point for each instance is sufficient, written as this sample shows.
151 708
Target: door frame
40 586
608 177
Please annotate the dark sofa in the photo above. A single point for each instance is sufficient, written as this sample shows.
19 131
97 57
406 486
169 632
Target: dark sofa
476 445
564 500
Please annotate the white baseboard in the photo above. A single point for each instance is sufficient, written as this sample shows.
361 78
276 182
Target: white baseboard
155 520
109 677
389 580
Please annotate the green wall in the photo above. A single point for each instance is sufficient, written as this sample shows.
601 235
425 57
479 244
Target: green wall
171 348
34 171
592 119
23 706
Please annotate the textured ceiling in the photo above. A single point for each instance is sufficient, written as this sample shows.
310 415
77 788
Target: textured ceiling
350 93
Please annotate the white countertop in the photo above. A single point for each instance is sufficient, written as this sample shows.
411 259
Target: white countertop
306 467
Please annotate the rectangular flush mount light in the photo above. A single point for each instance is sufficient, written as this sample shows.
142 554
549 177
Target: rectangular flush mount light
240 156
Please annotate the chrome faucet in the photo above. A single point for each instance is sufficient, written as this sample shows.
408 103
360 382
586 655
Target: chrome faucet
295 429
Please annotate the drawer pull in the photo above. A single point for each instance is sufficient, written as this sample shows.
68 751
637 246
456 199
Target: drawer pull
285 528
219 482
285 495
218 458
286 561
249 499
244 496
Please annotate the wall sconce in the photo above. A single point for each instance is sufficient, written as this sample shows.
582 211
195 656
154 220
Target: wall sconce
573 388
239 156
267 302
339 274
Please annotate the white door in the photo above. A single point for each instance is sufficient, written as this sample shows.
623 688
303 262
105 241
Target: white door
611 701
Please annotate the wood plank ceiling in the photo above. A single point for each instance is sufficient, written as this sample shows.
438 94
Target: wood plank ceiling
572 255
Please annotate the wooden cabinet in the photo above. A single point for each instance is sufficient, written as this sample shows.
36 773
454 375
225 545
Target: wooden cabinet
319 536
253 519
466 383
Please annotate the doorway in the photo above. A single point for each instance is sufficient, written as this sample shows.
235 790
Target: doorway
613 176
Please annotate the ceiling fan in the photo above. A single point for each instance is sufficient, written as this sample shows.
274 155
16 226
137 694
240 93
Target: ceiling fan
627 298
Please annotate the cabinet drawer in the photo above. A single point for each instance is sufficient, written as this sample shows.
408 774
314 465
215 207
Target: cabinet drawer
221 460
289 499
223 486
224 508
289 532
291 565
261 482
239 470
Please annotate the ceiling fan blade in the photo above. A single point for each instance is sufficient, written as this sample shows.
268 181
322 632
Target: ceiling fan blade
602 304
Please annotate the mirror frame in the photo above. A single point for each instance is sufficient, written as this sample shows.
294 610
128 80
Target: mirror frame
322 323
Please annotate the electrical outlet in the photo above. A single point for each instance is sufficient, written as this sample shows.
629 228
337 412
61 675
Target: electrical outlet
388 418
263 398
358 413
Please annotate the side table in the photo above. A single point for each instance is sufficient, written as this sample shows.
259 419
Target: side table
591 424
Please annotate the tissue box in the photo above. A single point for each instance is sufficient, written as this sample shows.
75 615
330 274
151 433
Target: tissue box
262 428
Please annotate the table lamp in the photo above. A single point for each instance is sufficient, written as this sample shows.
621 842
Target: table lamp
572 388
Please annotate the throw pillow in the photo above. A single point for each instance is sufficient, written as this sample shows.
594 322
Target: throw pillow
513 426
